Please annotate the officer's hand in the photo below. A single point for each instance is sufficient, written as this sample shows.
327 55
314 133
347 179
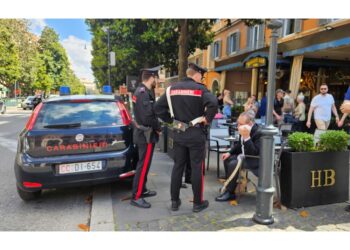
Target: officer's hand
340 124
158 132
225 156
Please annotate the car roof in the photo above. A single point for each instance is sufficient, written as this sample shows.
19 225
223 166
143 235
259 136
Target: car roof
82 97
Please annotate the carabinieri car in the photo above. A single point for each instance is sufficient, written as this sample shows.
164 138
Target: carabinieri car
72 141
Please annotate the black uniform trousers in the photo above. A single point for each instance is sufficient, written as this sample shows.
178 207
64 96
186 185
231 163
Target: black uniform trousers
145 152
196 153
230 165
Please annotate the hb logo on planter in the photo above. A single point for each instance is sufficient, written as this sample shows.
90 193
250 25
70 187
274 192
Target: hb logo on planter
322 178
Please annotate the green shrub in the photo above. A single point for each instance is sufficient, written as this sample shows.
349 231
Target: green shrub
301 142
334 141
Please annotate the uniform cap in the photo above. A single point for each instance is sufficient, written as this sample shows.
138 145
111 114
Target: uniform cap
150 71
195 67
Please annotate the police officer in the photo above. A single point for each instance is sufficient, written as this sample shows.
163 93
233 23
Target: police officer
191 107
146 134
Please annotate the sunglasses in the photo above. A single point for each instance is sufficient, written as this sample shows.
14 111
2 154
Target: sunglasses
323 88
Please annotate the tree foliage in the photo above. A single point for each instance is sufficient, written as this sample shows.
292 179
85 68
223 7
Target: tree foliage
35 63
141 43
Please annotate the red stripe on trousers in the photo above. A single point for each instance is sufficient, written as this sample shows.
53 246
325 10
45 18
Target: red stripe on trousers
202 186
144 170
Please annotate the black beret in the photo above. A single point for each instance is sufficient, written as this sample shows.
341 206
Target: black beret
195 67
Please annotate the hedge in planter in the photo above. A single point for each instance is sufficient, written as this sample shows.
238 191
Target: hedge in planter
315 176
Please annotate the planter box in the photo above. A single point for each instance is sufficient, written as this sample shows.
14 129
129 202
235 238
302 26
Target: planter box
314 178
163 140
170 143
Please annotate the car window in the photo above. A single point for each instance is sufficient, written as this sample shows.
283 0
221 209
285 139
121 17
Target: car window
88 114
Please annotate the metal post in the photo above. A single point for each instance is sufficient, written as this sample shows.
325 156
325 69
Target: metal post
265 190
109 60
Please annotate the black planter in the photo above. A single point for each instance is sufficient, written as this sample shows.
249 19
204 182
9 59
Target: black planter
170 143
163 140
314 178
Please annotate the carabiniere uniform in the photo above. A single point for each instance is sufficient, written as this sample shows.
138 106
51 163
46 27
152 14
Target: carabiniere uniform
145 136
189 100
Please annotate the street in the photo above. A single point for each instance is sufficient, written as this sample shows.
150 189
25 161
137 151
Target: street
106 207
56 210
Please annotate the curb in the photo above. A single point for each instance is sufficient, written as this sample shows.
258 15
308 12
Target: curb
102 211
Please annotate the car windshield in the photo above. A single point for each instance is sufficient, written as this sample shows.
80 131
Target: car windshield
30 98
86 114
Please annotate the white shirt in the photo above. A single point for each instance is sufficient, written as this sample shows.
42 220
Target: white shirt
323 107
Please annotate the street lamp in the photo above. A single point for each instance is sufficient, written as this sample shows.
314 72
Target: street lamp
265 190
106 29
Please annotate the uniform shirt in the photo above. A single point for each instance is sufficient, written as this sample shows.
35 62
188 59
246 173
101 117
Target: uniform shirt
347 95
323 107
189 100
143 100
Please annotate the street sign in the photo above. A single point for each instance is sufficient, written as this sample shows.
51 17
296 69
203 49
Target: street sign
255 62
111 58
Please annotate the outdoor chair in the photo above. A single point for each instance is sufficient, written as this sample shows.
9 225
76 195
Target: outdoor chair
220 146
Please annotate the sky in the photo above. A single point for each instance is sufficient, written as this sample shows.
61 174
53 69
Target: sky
75 38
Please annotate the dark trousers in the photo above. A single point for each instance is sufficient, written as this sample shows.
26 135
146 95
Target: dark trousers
188 169
230 164
142 168
196 153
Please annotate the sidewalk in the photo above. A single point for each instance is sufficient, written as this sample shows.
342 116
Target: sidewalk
220 215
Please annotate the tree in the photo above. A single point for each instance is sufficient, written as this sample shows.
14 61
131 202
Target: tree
141 43
9 59
53 67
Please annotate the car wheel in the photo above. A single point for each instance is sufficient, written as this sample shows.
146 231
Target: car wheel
27 196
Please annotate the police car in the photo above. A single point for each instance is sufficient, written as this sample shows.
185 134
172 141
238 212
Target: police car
73 140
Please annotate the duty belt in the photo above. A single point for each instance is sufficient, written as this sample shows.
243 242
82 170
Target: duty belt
183 126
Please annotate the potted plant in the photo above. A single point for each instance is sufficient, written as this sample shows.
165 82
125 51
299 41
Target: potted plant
315 174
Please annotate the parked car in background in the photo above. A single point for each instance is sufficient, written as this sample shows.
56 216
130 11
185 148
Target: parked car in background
28 103
2 106
72 141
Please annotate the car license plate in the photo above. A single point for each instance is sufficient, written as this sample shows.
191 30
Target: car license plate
80 167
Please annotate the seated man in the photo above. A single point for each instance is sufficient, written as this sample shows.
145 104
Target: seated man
250 136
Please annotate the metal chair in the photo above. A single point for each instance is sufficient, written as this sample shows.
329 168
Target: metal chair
217 145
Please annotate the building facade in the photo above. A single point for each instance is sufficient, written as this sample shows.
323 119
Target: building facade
310 52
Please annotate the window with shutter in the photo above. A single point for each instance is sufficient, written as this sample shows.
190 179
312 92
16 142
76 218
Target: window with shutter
237 41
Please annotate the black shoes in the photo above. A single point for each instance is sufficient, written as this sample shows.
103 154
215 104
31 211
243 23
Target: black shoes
175 205
199 207
148 193
140 203
227 196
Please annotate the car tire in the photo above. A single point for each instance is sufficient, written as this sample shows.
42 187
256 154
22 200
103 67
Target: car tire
28 196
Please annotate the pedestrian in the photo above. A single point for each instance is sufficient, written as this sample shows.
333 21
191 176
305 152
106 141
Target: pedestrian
220 98
345 108
146 134
322 105
299 114
262 109
191 107
250 105
228 103
36 101
288 108
277 107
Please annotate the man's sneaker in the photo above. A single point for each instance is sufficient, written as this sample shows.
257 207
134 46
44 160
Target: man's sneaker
140 203
148 193
199 207
175 205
